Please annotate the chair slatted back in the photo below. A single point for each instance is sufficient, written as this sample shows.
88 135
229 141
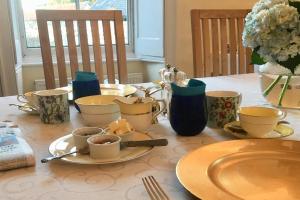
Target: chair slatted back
103 17
217 43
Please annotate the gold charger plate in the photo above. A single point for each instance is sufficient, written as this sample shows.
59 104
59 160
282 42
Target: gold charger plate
281 130
249 169
65 144
108 89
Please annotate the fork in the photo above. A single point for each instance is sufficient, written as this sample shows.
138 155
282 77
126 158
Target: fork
153 189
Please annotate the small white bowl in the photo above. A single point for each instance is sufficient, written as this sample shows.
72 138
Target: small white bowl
80 136
100 120
104 146
98 104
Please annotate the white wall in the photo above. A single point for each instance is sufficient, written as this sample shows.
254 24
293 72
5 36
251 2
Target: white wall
182 42
33 72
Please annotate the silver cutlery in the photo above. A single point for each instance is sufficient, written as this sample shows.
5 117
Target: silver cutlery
153 189
57 157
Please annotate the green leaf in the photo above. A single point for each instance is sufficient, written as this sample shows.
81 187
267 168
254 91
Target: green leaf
256 58
291 63
295 4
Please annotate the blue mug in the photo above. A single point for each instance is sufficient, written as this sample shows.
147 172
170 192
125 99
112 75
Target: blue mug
85 88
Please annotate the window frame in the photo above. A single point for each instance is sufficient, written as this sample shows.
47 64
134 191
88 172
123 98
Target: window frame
30 53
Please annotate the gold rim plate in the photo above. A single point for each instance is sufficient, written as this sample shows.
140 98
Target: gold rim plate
243 169
108 89
65 144
281 130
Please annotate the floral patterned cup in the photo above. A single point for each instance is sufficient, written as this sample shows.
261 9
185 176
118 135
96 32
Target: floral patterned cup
54 106
222 107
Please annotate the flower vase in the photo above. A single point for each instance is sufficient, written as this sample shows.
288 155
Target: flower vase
291 97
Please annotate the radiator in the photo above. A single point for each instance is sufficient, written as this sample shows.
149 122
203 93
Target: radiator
132 78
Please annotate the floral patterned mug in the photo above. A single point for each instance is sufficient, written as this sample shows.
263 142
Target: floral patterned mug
54 106
222 107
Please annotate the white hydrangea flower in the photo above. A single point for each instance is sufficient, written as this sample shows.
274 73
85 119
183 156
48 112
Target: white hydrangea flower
273 27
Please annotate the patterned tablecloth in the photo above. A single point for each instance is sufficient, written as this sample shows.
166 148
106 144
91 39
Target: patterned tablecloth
61 180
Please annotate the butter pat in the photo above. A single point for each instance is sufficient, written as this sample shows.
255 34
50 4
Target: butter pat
120 127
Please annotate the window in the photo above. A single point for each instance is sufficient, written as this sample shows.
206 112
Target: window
144 38
31 36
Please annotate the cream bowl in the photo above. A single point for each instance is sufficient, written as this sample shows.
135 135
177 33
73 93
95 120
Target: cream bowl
104 146
98 104
258 121
100 120
80 136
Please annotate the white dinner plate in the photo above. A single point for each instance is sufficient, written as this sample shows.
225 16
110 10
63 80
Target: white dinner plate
252 169
65 144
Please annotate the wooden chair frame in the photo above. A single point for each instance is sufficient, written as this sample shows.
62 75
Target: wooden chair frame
82 16
217 43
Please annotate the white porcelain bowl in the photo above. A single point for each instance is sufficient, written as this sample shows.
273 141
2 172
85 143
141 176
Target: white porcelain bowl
104 146
98 104
99 120
80 135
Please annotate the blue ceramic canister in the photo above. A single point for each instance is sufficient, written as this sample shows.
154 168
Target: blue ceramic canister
188 113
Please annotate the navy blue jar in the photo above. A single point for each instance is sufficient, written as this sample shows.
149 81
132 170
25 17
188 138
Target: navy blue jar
188 114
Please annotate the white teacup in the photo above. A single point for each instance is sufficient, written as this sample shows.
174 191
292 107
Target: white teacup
80 136
104 146
29 98
258 121
140 122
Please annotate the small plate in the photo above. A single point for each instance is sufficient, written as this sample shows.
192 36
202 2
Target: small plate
281 130
65 144
108 89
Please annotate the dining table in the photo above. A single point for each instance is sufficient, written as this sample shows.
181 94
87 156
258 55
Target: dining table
57 180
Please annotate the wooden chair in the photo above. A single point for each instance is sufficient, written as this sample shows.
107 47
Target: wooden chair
217 43
82 16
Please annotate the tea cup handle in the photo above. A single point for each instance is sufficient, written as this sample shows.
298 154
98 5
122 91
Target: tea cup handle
21 98
161 109
283 115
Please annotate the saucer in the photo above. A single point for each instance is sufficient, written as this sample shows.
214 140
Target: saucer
25 107
281 130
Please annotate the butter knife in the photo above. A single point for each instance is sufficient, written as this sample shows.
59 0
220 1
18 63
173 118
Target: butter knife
144 143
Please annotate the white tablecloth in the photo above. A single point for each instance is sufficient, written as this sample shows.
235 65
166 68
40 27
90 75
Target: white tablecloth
59 180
